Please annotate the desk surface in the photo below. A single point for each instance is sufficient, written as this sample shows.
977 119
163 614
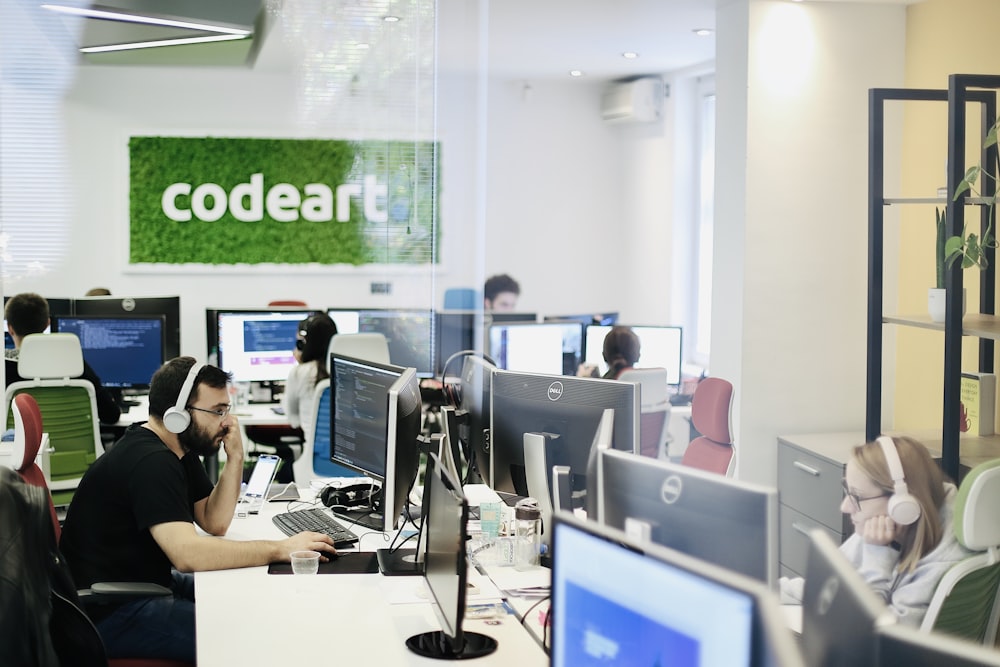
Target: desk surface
247 616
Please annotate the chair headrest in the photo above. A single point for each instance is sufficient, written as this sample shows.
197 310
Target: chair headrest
710 409
652 380
27 430
364 346
46 356
977 522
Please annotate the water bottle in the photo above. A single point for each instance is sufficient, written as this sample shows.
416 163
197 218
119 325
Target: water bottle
527 533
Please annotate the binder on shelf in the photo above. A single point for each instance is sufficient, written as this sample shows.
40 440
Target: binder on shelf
979 398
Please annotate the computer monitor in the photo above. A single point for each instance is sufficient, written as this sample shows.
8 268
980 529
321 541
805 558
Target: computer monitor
841 615
168 306
606 319
475 390
554 348
123 350
445 515
619 602
495 316
408 332
456 331
659 347
567 409
375 430
906 645
687 509
255 345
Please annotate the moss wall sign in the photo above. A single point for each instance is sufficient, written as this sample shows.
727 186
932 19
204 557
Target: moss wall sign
228 201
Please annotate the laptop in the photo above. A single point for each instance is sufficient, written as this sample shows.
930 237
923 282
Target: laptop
255 491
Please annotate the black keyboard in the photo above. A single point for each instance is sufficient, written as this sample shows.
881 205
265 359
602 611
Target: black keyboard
318 521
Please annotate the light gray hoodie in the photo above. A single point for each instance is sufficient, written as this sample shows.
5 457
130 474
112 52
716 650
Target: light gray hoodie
907 594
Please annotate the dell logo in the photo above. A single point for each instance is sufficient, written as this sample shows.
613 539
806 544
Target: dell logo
670 491
827 594
555 391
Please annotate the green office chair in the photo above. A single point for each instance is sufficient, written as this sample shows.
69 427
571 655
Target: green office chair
966 601
51 365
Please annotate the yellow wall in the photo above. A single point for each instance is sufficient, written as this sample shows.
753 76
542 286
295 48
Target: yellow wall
943 37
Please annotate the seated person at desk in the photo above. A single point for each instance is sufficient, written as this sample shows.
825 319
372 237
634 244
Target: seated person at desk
133 516
621 353
902 562
311 345
500 293
28 313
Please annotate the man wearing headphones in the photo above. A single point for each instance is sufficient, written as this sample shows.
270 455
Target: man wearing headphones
133 516
902 509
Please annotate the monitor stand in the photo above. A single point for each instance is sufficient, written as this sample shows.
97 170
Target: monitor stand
399 562
438 645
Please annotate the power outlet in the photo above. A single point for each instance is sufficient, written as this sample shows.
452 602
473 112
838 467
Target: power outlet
381 288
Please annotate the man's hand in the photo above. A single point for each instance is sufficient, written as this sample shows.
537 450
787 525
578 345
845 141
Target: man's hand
309 541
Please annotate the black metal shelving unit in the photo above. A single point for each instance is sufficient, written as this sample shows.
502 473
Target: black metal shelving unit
962 89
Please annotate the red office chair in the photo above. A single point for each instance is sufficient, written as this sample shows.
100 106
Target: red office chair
289 303
27 442
710 414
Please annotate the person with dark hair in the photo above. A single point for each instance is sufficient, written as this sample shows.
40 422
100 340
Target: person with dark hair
98 291
903 543
501 293
621 351
135 512
28 313
311 344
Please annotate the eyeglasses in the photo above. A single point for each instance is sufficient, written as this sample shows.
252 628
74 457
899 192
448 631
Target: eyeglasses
856 500
218 413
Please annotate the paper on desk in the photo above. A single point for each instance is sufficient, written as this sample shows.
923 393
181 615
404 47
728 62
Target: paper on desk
508 578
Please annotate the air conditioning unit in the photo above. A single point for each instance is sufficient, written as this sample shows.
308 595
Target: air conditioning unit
636 101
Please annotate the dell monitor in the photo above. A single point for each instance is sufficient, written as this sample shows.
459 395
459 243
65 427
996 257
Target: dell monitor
408 333
456 331
375 430
841 614
616 601
256 345
123 350
906 645
659 347
567 410
445 515
687 509
554 348
168 306
474 401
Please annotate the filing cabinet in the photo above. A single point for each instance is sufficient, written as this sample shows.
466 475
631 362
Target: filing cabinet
810 470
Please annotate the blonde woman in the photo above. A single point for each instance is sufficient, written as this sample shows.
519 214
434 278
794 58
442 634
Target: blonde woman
902 508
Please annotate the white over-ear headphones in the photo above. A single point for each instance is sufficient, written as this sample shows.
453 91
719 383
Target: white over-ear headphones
904 508
177 418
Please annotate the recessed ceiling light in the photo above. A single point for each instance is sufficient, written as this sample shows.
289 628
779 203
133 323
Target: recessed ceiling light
702 32
576 72
630 55
362 46
390 19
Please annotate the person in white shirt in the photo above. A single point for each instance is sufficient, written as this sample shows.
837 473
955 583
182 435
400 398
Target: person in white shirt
311 344
903 539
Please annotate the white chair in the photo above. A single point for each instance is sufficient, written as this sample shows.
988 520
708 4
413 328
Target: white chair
966 602
365 346
51 365
654 411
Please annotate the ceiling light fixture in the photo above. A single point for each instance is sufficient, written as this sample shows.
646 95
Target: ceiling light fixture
390 19
112 14
128 46
703 32
575 72
630 55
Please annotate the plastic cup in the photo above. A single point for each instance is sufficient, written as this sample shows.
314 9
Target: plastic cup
305 562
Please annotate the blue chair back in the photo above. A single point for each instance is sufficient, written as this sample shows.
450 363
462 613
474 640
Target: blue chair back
461 298
322 465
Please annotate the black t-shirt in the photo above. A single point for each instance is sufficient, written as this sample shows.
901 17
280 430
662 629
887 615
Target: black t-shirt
136 484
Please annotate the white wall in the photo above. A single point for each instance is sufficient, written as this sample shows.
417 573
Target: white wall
791 283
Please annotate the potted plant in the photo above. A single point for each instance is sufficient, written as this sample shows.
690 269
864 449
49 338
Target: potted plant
936 294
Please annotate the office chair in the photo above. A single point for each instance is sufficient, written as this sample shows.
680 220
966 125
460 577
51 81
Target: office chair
364 346
711 409
52 364
654 411
28 437
289 303
315 458
966 601
462 298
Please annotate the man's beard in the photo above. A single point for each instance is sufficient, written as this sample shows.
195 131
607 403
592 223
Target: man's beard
199 441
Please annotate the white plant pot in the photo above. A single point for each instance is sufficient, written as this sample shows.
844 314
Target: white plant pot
935 303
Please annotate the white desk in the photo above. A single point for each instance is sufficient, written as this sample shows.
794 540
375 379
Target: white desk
247 616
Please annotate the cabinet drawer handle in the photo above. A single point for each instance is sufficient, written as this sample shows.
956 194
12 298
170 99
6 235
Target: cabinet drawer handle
800 528
803 467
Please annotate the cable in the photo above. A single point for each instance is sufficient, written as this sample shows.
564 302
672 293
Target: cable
449 393
545 623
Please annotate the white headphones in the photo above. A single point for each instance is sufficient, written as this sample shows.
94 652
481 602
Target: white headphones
177 418
904 508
